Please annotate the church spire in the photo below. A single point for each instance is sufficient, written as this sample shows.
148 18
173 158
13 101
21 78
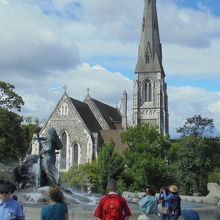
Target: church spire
150 53
150 100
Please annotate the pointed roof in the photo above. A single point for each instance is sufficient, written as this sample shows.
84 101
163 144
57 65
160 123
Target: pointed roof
86 115
109 113
150 53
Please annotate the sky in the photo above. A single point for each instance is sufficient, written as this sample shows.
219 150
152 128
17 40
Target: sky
46 44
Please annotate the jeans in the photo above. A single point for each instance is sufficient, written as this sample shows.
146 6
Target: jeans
166 217
174 217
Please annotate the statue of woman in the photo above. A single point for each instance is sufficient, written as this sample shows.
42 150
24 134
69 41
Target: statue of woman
50 144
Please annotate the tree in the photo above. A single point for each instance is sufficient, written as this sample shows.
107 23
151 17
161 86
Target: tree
110 165
76 177
82 177
8 98
214 176
11 138
29 127
145 157
193 165
92 174
197 126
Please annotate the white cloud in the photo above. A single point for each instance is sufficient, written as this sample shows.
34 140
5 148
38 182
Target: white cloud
193 62
61 4
104 85
33 41
187 101
39 56
186 26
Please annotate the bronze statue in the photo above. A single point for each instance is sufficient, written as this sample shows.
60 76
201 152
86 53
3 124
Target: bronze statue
40 170
50 144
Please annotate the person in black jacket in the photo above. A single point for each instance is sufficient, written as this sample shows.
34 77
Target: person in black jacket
175 202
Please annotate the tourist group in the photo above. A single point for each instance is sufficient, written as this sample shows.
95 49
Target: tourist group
110 207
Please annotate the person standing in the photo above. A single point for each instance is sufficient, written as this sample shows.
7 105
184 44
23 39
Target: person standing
9 208
148 205
175 203
112 206
166 197
57 208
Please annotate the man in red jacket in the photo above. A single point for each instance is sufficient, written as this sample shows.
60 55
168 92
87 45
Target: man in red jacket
112 206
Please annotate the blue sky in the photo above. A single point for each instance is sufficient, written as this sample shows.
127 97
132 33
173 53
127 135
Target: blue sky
212 5
45 44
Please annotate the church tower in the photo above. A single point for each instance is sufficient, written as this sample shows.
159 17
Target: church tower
150 101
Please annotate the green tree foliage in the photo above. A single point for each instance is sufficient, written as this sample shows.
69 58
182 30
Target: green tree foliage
82 177
172 151
213 151
214 176
197 126
92 174
193 165
8 98
76 177
29 127
15 133
110 165
11 138
145 157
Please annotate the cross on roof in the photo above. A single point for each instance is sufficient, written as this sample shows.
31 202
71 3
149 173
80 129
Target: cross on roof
65 87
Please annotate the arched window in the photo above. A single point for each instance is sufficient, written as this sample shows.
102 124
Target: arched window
63 151
148 91
64 109
75 155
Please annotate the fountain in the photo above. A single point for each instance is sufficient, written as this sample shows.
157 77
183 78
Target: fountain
37 172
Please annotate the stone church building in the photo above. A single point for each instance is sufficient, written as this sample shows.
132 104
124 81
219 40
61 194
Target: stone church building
84 126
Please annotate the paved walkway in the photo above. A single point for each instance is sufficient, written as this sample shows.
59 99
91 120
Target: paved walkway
80 213
32 213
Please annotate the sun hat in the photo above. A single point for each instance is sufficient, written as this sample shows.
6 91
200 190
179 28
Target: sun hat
173 188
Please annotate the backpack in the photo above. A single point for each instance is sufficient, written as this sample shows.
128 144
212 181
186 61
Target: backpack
112 207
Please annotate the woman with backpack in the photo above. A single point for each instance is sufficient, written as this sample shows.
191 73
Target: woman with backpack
148 205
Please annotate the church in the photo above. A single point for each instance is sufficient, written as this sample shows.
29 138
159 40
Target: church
83 126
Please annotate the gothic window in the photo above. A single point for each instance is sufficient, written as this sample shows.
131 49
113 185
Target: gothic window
148 91
64 109
143 24
75 155
63 151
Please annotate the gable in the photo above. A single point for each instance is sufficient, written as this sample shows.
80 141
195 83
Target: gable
86 115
